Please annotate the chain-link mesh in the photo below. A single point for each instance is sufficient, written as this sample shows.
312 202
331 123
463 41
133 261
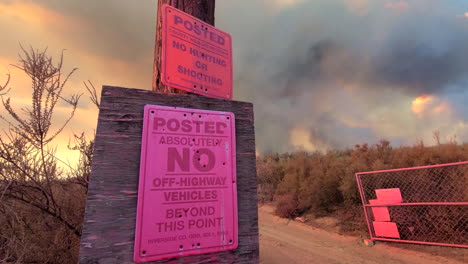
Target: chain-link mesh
434 205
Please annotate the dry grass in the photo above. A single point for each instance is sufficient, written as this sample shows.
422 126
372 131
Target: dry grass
28 235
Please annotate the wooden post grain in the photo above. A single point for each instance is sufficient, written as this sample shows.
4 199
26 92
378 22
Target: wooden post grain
201 9
109 224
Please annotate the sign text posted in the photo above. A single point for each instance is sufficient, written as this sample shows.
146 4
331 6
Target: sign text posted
187 195
196 57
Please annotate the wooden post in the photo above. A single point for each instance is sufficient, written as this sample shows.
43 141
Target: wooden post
109 225
201 9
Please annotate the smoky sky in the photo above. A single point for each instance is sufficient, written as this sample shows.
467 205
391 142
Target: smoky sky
418 54
312 49
344 73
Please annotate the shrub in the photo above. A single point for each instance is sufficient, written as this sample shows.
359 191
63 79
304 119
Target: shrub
320 183
287 206
41 203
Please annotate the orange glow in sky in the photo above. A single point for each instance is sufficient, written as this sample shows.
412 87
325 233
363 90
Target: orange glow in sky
429 104
420 103
35 14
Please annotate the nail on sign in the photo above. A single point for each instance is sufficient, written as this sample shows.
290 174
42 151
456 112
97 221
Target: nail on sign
196 57
187 195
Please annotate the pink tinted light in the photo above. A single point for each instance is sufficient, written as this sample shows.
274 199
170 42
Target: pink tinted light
187 198
196 57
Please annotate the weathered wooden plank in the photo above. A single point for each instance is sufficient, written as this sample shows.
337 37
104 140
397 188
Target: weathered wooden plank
109 229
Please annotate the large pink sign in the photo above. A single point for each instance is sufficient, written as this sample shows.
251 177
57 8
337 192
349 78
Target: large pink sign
196 57
187 195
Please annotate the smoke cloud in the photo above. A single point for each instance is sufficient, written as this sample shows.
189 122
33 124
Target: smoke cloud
350 73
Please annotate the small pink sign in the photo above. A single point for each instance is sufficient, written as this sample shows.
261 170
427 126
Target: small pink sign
187 194
386 229
196 57
389 196
381 214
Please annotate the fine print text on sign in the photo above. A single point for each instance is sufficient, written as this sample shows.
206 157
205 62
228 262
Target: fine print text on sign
196 57
187 194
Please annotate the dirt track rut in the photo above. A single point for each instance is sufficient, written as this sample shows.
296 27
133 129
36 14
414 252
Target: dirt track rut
283 241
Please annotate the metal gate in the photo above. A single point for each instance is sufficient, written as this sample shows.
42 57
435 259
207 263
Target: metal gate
424 205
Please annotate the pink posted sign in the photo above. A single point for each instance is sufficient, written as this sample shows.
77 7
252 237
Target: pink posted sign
187 195
196 57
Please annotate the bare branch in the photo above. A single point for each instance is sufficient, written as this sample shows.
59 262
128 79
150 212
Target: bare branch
47 86
4 88
92 93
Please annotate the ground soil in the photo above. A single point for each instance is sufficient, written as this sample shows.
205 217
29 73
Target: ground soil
288 241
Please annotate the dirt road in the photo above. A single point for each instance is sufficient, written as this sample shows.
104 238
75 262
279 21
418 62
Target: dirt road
283 241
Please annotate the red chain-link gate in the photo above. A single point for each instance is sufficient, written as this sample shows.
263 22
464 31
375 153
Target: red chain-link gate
424 205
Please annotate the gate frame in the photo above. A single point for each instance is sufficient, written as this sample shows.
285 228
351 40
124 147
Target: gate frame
367 205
